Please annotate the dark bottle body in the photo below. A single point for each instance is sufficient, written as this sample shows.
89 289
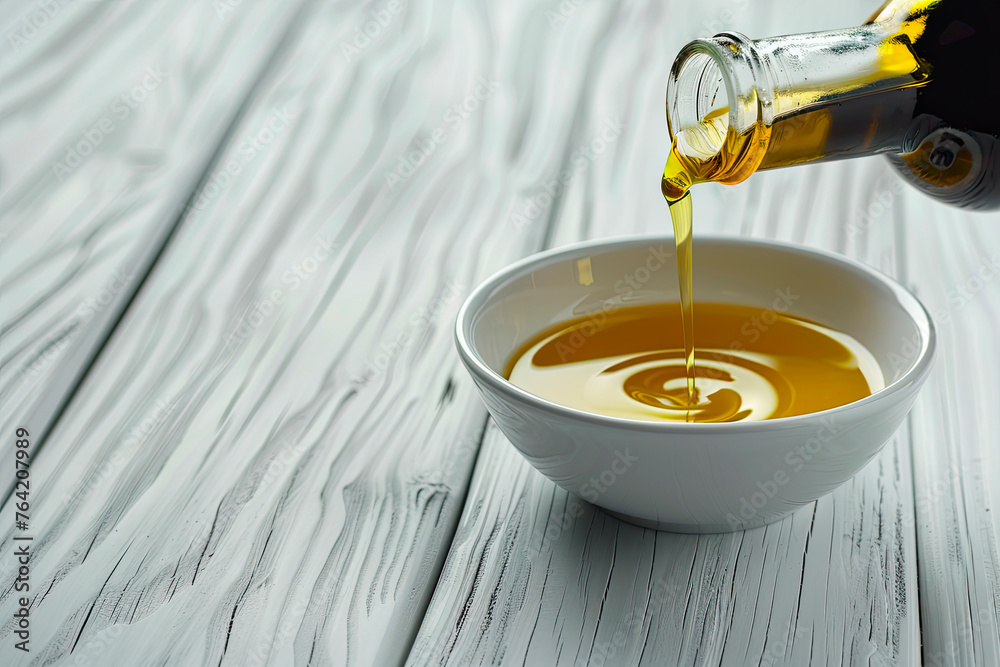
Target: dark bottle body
951 148
917 82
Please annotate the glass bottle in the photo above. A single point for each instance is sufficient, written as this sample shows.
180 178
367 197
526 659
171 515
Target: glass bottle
918 82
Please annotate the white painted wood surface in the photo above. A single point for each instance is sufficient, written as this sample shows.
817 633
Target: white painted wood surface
270 460
953 264
109 114
230 484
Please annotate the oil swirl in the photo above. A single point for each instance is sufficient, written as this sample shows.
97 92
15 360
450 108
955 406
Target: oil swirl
753 364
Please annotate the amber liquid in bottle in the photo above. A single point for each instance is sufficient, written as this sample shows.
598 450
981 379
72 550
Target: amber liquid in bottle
942 56
939 126
952 139
926 98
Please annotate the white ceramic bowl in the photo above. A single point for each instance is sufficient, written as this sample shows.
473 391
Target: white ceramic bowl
696 478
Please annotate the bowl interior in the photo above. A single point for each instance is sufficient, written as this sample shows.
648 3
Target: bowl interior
543 291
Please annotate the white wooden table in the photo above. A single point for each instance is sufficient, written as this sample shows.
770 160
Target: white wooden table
234 236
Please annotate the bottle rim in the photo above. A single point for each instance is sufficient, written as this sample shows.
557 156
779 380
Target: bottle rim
731 59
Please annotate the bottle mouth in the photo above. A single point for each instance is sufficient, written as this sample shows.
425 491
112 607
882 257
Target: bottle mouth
715 79
696 88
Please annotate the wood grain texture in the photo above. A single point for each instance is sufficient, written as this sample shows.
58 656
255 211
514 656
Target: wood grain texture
535 577
953 264
271 458
267 461
110 113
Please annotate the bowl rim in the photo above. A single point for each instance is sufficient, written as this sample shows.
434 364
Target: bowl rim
474 303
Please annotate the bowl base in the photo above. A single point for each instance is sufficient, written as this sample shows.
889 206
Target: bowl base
695 528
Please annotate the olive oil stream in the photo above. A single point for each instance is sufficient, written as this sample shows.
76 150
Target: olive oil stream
639 362
696 155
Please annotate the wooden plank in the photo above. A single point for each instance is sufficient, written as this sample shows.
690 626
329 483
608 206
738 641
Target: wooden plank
111 113
537 577
269 458
953 264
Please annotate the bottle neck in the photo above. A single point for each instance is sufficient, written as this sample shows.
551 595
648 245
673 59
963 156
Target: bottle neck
796 99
